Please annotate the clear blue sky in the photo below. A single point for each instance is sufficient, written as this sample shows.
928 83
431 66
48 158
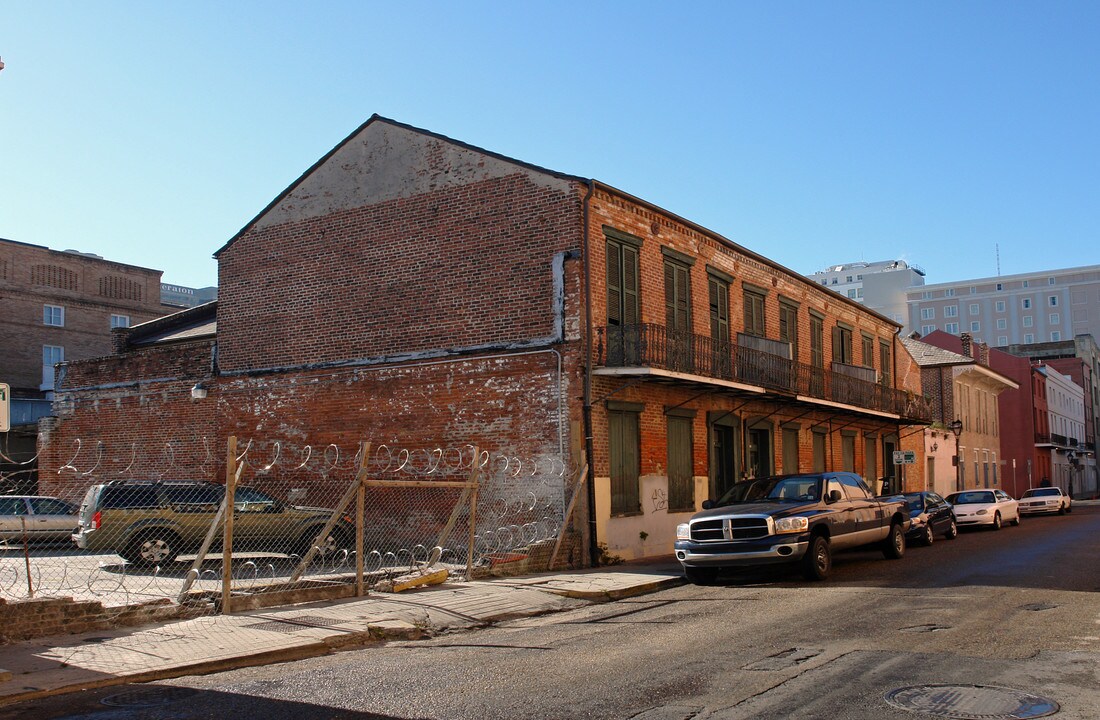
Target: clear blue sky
813 133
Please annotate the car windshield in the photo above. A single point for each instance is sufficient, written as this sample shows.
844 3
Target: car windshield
972 498
797 488
1041 492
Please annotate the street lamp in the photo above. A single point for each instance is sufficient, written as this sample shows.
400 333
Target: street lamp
957 428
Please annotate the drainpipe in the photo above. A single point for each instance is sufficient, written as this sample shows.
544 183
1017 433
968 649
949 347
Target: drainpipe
589 451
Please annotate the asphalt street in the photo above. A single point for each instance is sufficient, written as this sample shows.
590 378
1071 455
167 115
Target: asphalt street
1016 609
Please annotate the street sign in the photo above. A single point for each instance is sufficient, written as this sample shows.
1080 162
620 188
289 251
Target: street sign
905 457
5 408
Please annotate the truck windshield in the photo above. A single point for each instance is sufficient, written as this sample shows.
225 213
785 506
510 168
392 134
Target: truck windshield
798 488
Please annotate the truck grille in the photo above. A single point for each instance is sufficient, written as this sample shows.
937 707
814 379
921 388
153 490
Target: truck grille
735 528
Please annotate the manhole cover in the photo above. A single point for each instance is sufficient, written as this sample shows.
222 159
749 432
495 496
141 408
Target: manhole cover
148 697
971 702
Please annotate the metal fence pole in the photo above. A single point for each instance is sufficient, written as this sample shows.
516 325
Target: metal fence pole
360 520
474 479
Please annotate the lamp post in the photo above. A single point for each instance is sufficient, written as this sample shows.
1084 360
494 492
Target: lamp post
957 428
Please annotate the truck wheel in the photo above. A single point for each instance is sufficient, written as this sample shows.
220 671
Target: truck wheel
817 563
700 575
893 547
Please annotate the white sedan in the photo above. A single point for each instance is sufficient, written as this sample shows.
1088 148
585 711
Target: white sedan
984 507
1045 499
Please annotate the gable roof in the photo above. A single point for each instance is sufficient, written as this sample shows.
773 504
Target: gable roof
376 118
927 355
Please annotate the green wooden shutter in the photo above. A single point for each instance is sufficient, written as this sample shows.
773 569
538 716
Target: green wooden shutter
625 461
631 307
681 483
614 284
718 292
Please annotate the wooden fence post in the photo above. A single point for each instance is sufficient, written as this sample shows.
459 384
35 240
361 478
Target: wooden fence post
227 535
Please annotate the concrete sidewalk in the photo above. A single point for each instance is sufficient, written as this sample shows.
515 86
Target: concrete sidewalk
51 666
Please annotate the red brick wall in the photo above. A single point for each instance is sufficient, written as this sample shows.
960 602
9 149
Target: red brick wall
151 427
461 267
658 230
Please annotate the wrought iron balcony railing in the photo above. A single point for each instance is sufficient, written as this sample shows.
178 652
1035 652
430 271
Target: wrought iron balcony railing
655 346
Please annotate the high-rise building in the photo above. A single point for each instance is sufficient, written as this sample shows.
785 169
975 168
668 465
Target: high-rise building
881 286
1047 306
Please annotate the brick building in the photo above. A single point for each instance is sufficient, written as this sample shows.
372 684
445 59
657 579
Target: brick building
57 306
958 377
412 289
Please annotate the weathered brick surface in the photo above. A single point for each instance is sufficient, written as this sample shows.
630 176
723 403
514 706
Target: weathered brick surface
89 289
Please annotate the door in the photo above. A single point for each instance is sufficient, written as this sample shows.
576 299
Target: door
681 483
724 468
760 452
53 519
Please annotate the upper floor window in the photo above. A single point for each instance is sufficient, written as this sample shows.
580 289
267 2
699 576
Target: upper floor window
718 293
1002 340
1026 303
1000 306
842 344
1054 319
754 313
975 326
973 290
848 279
120 321
928 313
952 328
834 281
859 278
951 311
852 293
884 364
677 296
623 292
1055 336
927 329
817 341
1002 324
53 315
788 326
949 292
1029 338
1053 301
1000 286
1050 281
926 295
859 292
1028 320
1027 284
868 351
974 308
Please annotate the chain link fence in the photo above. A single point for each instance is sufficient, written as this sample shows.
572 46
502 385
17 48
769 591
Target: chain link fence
274 522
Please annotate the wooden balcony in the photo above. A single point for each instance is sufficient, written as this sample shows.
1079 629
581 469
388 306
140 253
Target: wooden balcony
654 346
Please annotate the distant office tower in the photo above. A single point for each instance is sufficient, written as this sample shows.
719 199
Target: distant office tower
1048 306
881 286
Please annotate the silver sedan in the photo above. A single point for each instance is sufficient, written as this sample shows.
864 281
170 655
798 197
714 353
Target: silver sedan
984 507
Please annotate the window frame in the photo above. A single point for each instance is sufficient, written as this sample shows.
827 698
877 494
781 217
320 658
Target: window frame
53 312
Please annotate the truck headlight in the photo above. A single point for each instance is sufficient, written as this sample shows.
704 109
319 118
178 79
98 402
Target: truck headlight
792 525
683 531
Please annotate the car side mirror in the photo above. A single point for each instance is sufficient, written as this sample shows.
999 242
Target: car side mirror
833 497
708 504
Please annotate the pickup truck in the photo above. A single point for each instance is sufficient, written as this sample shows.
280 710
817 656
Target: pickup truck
789 519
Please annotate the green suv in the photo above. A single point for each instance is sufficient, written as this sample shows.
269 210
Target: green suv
152 522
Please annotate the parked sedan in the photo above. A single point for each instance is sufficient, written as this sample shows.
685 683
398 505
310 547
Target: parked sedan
43 519
984 507
930 515
1045 499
